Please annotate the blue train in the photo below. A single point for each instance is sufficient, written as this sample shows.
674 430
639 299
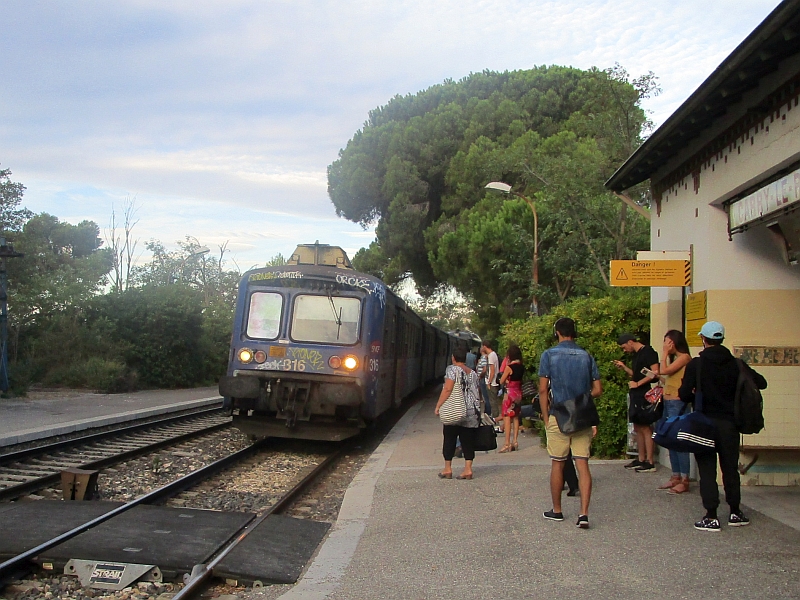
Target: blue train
320 350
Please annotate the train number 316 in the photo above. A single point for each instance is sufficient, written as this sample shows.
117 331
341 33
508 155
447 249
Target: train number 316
374 365
293 365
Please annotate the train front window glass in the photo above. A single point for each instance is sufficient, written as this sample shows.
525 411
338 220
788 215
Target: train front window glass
326 319
264 318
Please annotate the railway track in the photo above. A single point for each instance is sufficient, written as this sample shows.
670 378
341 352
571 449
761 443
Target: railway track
199 579
17 566
32 469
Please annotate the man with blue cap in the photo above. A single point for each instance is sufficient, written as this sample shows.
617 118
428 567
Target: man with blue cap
719 374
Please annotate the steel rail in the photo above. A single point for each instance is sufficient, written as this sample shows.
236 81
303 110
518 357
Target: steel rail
12 566
201 573
92 437
41 482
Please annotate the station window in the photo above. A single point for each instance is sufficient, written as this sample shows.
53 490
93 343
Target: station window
326 319
264 316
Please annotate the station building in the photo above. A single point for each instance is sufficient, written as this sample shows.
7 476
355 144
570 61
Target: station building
724 171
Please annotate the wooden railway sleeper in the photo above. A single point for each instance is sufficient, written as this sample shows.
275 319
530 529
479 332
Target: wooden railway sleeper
15 479
59 465
24 472
31 469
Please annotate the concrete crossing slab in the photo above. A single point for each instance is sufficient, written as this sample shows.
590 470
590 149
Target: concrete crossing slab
276 551
25 525
173 539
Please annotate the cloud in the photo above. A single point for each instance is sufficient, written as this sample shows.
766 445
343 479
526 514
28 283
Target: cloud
217 113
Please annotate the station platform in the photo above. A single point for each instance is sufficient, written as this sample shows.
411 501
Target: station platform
59 413
404 533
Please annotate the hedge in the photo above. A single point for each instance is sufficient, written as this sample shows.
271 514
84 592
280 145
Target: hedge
599 320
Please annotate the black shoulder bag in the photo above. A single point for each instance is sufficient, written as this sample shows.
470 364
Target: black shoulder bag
576 414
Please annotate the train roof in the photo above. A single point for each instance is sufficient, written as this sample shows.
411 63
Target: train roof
315 271
349 276
466 335
317 254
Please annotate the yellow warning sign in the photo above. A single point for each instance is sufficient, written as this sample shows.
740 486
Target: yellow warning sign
697 306
651 273
692 332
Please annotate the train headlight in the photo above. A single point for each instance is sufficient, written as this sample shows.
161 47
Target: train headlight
350 363
260 356
334 362
245 355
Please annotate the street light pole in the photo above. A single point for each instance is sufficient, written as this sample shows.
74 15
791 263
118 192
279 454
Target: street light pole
506 189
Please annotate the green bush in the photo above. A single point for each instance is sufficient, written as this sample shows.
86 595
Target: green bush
99 374
107 376
216 340
21 375
599 321
160 332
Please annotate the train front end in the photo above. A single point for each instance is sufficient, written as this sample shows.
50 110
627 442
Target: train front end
305 348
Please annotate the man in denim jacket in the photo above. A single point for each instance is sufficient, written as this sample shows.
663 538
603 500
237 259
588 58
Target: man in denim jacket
567 371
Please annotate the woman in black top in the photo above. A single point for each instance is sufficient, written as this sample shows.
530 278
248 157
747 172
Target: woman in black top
512 404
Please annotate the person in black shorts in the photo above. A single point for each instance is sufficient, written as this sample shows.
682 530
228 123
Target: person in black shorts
644 357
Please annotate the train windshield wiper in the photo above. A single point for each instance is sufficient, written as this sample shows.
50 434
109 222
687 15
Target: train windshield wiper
337 318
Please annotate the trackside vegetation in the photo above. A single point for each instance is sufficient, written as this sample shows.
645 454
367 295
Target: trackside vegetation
83 314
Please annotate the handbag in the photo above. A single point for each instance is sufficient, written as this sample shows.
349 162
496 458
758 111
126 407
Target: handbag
654 394
454 409
576 414
654 409
486 439
688 432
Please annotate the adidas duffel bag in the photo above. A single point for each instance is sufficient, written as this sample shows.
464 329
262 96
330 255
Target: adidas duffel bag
692 432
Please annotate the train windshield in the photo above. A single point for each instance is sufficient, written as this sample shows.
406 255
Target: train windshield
264 318
326 319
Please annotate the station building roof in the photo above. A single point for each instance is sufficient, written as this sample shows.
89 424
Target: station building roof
774 40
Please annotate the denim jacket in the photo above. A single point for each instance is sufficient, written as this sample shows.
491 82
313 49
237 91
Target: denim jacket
570 370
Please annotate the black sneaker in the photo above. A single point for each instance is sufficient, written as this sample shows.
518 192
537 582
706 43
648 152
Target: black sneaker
583 522
738 520
646 467
633 464
707 524
553 516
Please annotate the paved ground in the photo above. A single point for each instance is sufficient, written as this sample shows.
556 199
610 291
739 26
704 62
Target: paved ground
57 413
403 533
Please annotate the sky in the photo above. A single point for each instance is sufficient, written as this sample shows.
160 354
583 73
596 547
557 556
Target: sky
219 118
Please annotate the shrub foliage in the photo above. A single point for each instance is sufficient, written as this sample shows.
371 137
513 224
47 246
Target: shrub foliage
599 321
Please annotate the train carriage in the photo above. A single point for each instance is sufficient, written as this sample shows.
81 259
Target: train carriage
319 350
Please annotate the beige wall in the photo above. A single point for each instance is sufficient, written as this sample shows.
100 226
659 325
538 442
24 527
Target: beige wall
751 290
766 318
689 217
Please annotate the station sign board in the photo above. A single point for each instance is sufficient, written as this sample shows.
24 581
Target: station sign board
696 316
766 201
651 273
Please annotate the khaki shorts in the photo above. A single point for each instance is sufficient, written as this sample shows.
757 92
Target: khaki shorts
559 445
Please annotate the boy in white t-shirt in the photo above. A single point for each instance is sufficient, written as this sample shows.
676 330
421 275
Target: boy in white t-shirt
491 375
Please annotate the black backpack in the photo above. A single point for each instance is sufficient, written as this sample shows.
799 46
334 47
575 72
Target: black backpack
748 404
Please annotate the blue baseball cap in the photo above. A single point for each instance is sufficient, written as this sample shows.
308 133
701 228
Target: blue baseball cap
712 330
